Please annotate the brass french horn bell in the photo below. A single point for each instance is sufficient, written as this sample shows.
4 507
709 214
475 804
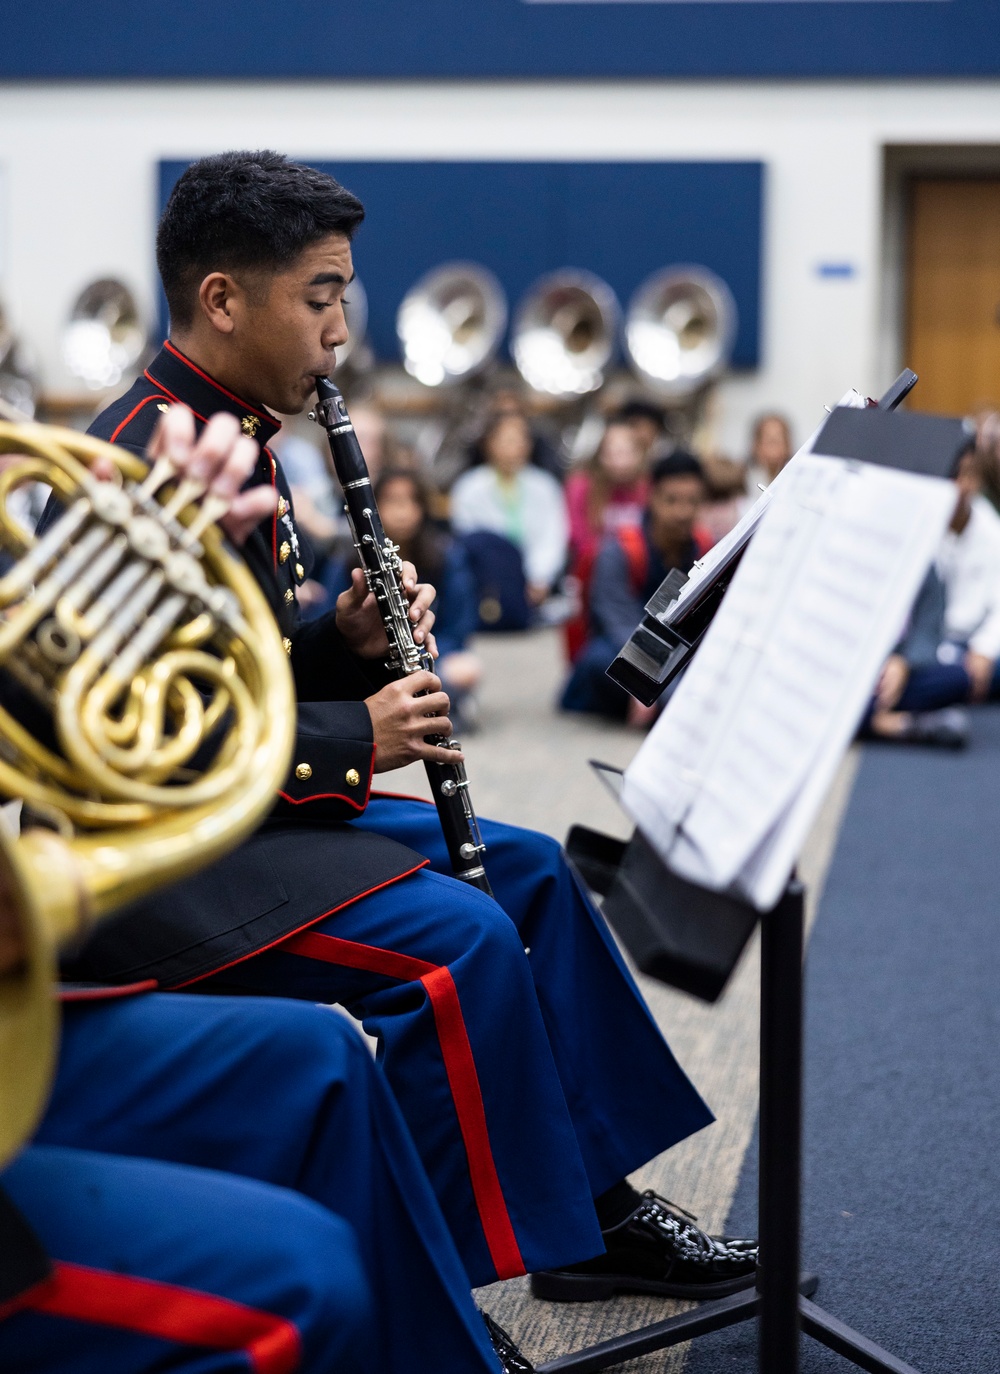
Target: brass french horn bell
149 654
679 330
451 322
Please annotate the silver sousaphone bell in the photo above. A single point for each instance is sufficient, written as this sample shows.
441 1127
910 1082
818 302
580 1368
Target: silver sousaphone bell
564 333
105 336
18 379
451 322
679 330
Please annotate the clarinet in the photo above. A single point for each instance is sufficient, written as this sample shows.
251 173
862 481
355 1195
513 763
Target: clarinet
383 573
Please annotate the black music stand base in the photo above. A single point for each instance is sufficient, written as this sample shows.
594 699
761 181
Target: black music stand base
781 1300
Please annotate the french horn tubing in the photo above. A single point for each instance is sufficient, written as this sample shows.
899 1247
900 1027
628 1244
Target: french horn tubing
155 721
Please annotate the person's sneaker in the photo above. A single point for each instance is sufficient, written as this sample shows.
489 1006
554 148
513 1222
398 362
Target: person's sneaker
947 728
657 1249
511 1359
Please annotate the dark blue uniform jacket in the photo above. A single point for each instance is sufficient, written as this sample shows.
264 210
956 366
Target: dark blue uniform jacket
305 862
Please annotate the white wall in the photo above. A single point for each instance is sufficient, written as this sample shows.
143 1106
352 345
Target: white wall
79 164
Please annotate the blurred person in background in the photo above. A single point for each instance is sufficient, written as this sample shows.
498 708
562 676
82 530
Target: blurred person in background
508 400
988 449
404 504
630 566
521 508
770 450
607 494
949 654
648 424
727 495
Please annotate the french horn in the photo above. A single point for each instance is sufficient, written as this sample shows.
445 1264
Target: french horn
147 713
565 332
451 322
679 330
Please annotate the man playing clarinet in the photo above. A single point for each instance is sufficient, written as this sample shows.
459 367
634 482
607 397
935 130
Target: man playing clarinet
531 1075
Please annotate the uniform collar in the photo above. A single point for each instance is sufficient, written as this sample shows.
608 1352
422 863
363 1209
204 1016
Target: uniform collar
183 381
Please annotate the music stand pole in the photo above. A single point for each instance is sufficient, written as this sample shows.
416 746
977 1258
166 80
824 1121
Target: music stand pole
782 936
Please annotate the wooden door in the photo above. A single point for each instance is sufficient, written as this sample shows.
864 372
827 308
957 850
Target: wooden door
953 294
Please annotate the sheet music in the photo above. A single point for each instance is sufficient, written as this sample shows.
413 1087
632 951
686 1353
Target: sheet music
752 518
729 779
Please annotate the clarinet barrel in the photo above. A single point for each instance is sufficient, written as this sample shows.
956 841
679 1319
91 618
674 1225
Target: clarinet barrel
382 568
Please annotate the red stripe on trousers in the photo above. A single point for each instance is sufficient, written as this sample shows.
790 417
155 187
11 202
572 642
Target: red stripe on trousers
169 1312
459 1064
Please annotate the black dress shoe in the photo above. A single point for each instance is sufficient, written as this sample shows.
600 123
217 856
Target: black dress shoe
511 1359
657 1249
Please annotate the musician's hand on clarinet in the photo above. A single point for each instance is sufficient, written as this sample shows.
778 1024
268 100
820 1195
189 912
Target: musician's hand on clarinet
401 718
360 622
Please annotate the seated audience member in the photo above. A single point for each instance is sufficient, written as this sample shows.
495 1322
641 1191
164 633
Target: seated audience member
516 503
629 568
727 495
648 424
404 506
607 494
949 654
770 450
988 450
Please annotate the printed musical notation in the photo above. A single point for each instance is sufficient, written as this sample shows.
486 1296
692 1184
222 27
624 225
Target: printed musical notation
729 779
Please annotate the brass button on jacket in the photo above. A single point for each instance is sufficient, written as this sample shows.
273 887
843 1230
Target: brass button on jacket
284 553
352 777
286 644
300 571
303 772
289 596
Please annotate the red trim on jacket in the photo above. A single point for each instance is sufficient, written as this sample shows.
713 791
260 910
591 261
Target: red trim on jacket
176 399
133 413
107 993
299 929
170 1313
336 796
460 1066
261 414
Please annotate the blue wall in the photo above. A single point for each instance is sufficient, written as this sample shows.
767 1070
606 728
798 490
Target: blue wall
622 220
505 38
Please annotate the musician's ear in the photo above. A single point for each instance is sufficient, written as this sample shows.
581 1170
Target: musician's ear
217 296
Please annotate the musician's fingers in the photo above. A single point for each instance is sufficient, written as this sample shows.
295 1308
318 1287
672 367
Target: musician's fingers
236 469
422 682
248 509
215 448
436 704
408 576
357 592
421 631
430 644
173 436
434 754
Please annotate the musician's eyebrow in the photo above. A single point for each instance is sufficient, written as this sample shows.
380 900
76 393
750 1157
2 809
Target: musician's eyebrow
336 278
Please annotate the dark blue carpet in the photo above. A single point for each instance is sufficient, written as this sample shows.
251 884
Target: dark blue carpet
902 1178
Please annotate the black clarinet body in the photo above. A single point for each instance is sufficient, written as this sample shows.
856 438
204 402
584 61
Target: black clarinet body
382 568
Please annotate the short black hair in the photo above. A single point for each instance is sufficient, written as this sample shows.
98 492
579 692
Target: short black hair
245 211
637 408
680 463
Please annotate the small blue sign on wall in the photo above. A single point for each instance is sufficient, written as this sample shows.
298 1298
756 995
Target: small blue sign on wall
621 220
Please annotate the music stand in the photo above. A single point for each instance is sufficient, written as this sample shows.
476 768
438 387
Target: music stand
782 1296
691 937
